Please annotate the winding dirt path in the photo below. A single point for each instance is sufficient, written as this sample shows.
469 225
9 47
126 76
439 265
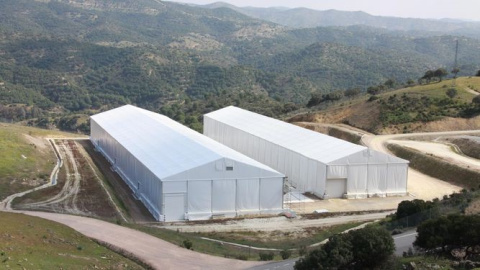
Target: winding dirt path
66 199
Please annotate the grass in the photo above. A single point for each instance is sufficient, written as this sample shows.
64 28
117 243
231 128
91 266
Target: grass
285 240
34 243
245 238
438 89
427 262
24 163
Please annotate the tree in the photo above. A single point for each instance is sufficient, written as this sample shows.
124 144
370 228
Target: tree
333 96
358 249
372 245
452 92
455 72
440 73
352 92
315 99
373 90
390 83
428 75
478 73
447 233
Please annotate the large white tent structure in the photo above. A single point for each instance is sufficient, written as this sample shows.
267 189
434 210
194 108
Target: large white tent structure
180 174
313 162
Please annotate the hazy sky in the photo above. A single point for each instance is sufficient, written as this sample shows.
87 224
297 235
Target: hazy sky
435 9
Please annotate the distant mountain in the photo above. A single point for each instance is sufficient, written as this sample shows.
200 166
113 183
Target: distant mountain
79 56
309 18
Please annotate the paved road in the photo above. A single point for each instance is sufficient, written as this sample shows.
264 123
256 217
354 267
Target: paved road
404 241
282 265
156 252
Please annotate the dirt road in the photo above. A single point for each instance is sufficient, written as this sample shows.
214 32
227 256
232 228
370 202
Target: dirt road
80 190
275 224
157 253
442 151
6 204
419 185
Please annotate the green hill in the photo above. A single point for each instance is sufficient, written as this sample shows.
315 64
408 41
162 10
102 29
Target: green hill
412 109
63 60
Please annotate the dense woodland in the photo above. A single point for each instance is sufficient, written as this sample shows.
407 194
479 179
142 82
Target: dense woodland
61 61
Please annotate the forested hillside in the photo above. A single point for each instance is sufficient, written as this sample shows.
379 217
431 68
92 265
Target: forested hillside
62 60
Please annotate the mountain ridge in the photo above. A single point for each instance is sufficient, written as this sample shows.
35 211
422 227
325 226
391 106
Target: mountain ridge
310 18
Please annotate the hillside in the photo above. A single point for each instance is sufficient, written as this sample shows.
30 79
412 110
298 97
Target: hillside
34 243
61 61
421 108
27 158
309 18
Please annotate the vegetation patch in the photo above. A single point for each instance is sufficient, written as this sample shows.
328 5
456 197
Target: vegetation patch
34 243
436 167
26 158
287 244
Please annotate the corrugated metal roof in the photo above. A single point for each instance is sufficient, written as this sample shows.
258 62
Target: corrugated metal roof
309 143
163 145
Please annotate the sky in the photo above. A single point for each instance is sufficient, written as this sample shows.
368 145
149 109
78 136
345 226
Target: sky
427 9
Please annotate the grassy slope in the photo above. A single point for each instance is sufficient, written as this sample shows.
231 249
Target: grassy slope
24 163
366 115
437 90
34 243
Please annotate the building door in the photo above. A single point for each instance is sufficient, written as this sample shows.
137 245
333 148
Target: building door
336 188
174 207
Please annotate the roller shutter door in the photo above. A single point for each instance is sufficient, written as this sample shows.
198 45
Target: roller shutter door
336 188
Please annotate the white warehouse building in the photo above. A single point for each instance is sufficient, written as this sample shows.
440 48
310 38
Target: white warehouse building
178 173
313 162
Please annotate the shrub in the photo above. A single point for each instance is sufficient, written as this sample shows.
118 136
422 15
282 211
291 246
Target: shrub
302 251
242 257
187 244
285 254
266 256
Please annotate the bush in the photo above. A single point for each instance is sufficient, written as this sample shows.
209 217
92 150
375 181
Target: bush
285 254
241 257
266 256
365 248
188 244
302 251
372 98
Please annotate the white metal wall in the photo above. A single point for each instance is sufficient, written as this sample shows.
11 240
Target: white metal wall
304 173
231 193
227 197
368 173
